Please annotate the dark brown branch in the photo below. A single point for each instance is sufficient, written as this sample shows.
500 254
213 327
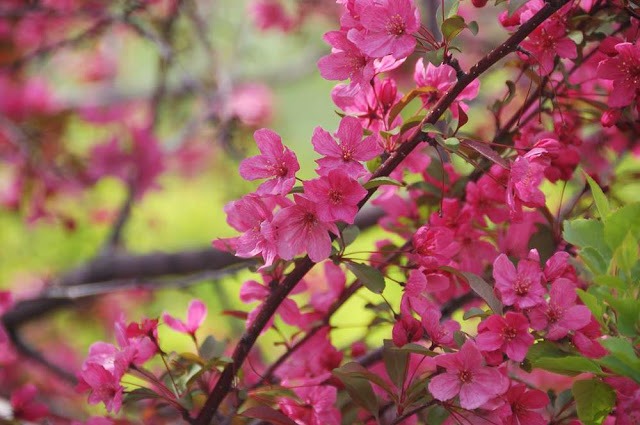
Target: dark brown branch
271 304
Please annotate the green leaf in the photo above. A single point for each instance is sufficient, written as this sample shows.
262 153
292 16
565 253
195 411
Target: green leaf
482 288
569 365
359 389
140 394
370 277
593 303
594 260
452 143
474 312
395 362
609 281
452 26
414 348
594 400
210 348
623 359
473 27
349 234
268 414
430 128
620 222
626 255
373 164
544 349
627 311
451 7
599 197
382 181
583 233
412 122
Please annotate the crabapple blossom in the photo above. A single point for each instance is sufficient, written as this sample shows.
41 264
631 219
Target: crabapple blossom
523 406
336 195
466 376
521 287
509 334
274 161
196 313
624 70
351 151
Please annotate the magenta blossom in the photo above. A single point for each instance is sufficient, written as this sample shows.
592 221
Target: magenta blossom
349 153
388 28
300 229
275 161
407 329
316 406
104 386
439 333
196 313
346 61
509 334
561 315
523 405
25 406
467 376
624 70
337 196
521 288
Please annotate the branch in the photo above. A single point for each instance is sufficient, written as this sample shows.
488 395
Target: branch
273 301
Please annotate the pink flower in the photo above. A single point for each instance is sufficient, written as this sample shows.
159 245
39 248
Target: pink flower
440 334
467 377
252 104
561 315
441 79
275 161
527 172
25 406
349 153
316 406
434 246
104 386
406 330
196 313
521 288
337 196
346 61
253 216
388 26
521 406
300 230
624 70
254 291
509 334
268 14
547 42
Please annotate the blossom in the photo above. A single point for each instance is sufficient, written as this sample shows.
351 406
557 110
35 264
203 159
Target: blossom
439 333
253 216
521 288
547 42
387 29
526 174
624 70
24 406
346 61
348 154
434 246
337 196
274 161
104 386
196 313
316 406
251 103
300 230
509 334
521 406
268 14
561 315
440 79
467 376
406 330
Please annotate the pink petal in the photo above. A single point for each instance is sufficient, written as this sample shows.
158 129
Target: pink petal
196 314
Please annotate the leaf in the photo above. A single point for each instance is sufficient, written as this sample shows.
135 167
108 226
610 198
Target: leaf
430 128
209 348
412 122
569 365
623 359
359 389
452 143
402 103
609 281
463 118
593 303
268 414
452 26
395 362
140 394
599 197
473 27
480 287
626 255
544 349
627 314
370 277
594 260
474 312
382 181
296 189
620 222
486 151
350 234
414 348
594 400
583 233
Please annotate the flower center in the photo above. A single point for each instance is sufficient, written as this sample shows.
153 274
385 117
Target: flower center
309 218
521 286
335 196
395 25
509 333
465 376
554 314
347 154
